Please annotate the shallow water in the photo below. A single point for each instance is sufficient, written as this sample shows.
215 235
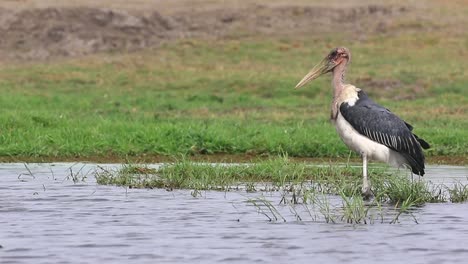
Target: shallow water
48 218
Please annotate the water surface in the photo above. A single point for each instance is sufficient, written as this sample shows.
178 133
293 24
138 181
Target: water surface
49 218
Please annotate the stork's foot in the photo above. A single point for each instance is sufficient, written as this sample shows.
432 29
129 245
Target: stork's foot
366 192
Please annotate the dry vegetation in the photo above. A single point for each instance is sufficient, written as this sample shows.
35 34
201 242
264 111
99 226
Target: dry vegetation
34 30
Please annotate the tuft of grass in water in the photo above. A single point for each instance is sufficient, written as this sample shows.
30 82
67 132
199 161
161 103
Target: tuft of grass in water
266 208
320 203
399 189
458 192
405 206
276 173
128 178
355 211
77 176
136 169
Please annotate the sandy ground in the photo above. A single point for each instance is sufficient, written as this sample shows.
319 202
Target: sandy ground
46 29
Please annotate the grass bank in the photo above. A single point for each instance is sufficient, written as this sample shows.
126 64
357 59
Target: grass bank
226 97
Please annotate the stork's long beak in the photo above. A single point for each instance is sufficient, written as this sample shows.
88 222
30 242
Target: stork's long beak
326 65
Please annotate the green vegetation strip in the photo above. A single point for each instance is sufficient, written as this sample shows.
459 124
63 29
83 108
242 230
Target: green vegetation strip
227 97
190 175
282 174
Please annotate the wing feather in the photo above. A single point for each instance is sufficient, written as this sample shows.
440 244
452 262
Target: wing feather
382 126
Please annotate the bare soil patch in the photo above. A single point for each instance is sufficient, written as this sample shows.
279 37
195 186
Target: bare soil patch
64 31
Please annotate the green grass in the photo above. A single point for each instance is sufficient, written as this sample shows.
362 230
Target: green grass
228 97
279 174
276 173
399 189
458 192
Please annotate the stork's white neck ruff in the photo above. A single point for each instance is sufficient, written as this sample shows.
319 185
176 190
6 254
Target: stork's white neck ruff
346 93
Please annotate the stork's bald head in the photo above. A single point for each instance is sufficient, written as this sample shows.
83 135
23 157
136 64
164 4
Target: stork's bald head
333 59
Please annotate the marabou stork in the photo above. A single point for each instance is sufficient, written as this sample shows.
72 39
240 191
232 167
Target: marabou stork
366 127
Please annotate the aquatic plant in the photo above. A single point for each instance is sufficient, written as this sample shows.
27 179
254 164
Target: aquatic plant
79 175
405 206
458 192
397 189
266 208
354 209
126 178
274 173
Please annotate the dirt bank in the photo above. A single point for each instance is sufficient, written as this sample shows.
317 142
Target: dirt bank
64 31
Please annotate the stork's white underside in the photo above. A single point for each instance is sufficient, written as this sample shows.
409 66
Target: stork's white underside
363 145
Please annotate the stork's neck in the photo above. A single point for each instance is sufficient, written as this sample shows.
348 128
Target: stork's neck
338 78
338 86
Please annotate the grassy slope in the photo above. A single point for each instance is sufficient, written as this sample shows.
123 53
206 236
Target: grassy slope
227 97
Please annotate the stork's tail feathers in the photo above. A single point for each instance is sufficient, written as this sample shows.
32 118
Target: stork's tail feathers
422 142
416 162
417 167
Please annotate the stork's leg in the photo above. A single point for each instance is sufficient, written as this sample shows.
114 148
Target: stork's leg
366 190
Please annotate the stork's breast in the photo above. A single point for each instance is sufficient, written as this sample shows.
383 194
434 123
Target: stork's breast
360 143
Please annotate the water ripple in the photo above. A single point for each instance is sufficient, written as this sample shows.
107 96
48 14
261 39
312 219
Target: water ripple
51 219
